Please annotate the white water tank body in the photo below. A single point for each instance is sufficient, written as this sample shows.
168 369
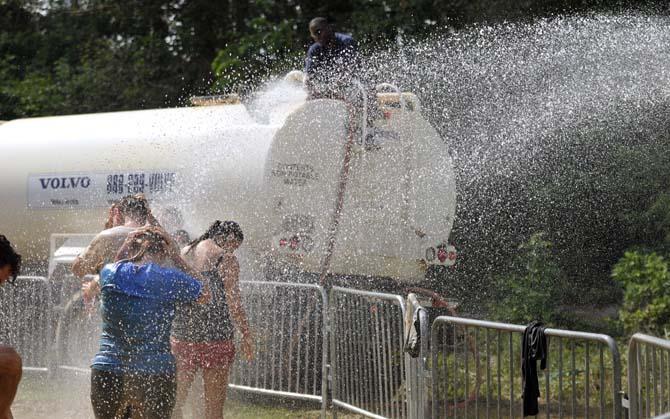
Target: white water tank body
280 181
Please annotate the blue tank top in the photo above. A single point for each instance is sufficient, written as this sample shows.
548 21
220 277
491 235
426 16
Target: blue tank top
138 306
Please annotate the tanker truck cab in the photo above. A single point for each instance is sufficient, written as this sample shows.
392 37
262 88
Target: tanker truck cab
377 201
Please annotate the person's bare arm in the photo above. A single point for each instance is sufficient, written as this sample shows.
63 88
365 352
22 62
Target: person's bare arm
230 271
79 267
10 376
90 288
180 263
88 261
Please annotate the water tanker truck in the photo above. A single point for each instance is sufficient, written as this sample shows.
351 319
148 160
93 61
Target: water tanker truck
312 185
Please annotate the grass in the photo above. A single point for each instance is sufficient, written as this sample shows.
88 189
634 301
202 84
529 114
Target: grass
567 378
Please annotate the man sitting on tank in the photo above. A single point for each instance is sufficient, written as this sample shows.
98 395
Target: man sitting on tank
10 361
332 67
331 60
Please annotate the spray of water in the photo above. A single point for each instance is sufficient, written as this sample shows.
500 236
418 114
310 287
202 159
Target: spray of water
274 101
537 117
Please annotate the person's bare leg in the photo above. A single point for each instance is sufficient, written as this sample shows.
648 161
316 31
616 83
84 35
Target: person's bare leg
10 376
184 381
216 385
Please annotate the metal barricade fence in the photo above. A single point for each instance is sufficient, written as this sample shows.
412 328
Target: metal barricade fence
26 320
475 367
367 360
465 367
648 376
64 287
78 330
288 322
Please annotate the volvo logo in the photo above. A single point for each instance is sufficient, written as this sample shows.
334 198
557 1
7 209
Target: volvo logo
72 182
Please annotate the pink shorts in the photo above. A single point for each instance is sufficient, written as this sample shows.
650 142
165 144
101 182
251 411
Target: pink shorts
193 355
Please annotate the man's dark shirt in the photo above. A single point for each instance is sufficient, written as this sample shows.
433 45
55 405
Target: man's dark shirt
336 62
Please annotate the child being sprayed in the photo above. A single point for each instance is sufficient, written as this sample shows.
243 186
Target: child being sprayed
203 335
134 365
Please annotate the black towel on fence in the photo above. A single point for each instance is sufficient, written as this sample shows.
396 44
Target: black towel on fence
533 349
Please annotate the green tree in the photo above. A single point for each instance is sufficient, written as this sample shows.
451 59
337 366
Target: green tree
646 306
533 288
72 56
265 49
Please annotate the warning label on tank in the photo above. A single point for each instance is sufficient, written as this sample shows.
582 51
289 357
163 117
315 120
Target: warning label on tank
100 189
295 173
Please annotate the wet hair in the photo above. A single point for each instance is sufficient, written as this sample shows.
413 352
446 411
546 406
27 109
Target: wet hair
149 241
9 257
219 229
135 206
181 237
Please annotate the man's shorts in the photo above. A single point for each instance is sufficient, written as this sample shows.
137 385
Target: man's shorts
190 356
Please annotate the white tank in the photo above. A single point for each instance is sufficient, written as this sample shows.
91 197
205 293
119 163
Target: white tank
280 180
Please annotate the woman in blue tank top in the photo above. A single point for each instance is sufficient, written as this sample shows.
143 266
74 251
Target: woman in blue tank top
202 335
134 365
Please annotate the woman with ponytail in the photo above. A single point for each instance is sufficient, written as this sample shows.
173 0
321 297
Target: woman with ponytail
134 365
202 336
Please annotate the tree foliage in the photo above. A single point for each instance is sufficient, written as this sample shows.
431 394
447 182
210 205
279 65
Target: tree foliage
74 56
646 280
533 289
643 270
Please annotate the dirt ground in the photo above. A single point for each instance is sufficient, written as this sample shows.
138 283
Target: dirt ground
39 398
